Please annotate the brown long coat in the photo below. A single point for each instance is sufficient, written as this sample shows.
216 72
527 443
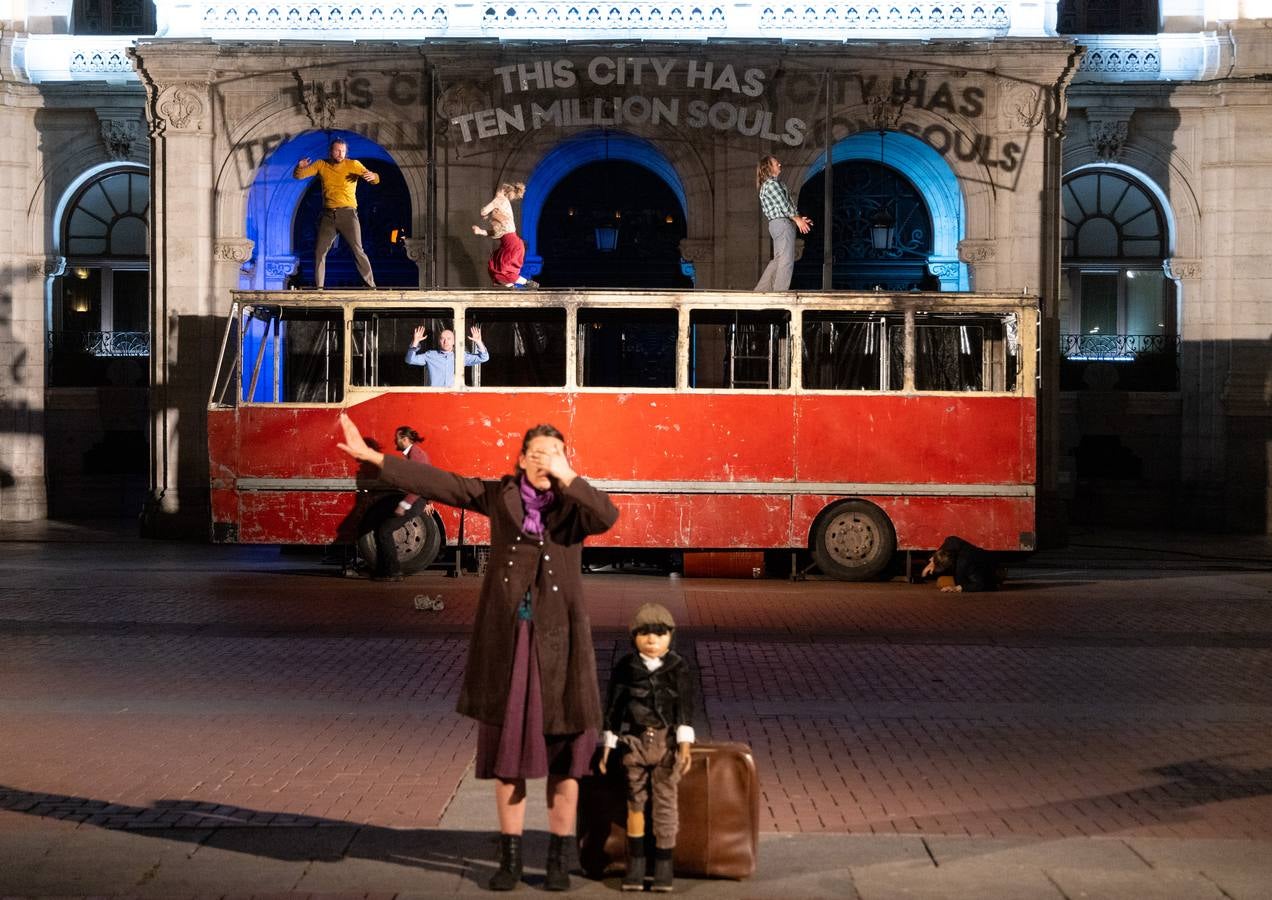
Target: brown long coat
549 569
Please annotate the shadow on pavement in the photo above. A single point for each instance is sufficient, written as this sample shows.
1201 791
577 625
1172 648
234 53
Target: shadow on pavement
280 836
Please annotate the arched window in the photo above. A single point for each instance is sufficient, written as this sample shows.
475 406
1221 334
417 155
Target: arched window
101 301
113 17
1116 303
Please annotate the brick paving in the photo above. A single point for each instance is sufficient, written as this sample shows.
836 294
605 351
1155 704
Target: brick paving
149 686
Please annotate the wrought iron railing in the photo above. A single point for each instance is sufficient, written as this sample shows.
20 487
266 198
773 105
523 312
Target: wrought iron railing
1116 346
100 343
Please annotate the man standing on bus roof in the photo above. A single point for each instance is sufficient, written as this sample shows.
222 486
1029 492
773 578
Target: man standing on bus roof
441 362
339 176
783 220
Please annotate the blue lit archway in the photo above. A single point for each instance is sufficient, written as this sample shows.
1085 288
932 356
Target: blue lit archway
934 180
595 146
275 197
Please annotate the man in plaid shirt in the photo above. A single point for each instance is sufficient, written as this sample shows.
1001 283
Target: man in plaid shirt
783 220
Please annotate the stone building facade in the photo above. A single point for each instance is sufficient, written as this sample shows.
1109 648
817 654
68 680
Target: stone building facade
1120 176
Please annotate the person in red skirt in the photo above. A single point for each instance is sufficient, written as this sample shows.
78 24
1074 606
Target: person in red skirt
530 680
509 254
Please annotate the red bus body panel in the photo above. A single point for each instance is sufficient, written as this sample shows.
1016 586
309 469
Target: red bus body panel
919 444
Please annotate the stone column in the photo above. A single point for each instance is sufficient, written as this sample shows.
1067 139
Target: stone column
183 290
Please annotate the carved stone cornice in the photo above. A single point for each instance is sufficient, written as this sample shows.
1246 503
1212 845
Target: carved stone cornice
233 250
1179 268
181 107
1108 130
973 251
416 249
281 266
46 266
697 249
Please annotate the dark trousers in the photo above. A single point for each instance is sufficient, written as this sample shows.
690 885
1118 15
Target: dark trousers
386 560
345 222
651 768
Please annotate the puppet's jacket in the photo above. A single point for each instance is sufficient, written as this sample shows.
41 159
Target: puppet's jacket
639 699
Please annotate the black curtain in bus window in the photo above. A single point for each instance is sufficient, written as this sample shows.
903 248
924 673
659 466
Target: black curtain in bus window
313 356
381 339
526 346
842 351
739 349
949 357
627 348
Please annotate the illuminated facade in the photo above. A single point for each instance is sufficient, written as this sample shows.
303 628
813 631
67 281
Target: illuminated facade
1102 168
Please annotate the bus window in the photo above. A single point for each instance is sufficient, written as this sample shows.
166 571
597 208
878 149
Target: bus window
843 351
227 369
381 338
526 346
627 348
963 353
739 349
293 355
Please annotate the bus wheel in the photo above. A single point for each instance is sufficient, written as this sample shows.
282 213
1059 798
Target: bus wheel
852 540
418 542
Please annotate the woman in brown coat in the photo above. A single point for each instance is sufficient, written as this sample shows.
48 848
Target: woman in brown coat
530 681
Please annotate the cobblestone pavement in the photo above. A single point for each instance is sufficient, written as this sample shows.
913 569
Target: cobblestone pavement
208 691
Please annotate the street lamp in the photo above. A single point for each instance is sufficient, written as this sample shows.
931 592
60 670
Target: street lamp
882 229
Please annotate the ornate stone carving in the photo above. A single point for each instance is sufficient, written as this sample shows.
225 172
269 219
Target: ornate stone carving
258 20
697 249
945 271
233 250
182 107
971 251
1178 268
460 99
281 267
939 17
119 134
1138 60
1108 129
886 103
47 266
416 249
319 103
1023 105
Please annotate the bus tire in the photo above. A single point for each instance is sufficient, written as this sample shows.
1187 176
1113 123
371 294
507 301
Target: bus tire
852 540
418 542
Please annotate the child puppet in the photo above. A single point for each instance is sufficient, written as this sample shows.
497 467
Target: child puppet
650 710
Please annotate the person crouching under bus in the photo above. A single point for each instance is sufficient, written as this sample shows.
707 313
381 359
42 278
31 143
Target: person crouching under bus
964 567
650 710
387 567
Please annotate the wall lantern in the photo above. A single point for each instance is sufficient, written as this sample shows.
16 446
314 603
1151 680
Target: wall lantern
882 230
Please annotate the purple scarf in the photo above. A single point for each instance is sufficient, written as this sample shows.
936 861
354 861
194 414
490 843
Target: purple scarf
535 502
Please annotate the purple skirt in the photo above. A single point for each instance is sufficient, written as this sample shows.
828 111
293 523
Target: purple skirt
518 748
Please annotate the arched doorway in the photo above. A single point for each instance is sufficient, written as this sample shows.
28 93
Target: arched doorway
97 393
282 218
612 224
866 194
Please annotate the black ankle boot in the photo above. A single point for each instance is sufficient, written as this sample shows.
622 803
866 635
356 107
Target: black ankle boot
634 880
558 877
663 870
509 873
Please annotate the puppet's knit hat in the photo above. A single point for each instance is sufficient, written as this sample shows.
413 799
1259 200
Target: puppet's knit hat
651 614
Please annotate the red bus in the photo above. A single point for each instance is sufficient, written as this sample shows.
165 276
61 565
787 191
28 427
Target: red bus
851 424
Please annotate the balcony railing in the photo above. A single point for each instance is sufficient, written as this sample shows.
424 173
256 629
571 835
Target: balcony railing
1129 362
99 343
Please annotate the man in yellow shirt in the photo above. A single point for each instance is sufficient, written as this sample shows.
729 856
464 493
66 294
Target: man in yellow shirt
339 176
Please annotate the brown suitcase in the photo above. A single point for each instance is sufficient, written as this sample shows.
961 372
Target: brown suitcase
719 832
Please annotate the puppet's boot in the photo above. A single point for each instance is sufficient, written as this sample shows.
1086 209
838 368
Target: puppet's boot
634 880
664 871
509 873
558 877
